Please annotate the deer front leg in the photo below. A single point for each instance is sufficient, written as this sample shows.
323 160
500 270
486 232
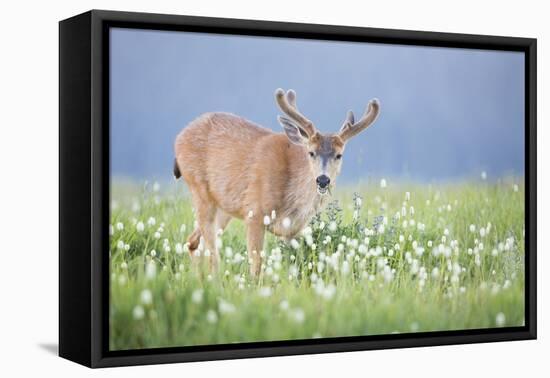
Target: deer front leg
255 244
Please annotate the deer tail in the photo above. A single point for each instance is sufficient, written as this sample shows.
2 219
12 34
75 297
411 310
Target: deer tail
177 173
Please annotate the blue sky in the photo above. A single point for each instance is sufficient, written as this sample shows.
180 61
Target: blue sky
446 114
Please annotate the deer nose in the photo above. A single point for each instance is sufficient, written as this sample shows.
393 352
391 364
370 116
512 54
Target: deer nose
323 181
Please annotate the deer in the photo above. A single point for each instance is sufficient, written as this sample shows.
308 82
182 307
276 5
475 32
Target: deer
274 182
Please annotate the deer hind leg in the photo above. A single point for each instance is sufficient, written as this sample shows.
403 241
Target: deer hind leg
206 218
193 241
255 244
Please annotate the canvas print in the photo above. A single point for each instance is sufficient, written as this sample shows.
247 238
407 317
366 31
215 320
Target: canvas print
275 189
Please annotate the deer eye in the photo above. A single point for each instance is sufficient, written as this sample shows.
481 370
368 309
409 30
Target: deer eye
339 156
312 154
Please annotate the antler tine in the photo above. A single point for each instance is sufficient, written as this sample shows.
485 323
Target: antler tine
350 119
287 103
350 129
291 98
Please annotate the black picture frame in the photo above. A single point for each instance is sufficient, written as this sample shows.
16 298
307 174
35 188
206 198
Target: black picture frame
84 187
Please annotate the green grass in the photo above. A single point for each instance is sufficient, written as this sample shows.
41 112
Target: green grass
161 299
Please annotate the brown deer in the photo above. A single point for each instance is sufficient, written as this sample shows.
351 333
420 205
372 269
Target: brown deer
273 181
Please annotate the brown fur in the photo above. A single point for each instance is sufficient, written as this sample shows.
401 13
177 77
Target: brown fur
237 169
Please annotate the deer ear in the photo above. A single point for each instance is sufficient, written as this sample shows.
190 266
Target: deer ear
293 131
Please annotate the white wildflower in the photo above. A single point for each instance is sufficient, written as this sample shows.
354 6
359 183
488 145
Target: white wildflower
387 274
383 183
265 292
197 296
284 305
138 312
225 307
140 226
298 315
286 222
211 316
500 319
150 270
237 258
345 268
146 297
267 220
151 221
325 291
119 226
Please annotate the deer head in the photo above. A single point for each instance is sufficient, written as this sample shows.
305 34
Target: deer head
325 151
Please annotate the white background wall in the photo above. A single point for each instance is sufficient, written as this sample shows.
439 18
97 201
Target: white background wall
29 186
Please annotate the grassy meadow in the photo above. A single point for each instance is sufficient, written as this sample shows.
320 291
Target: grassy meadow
382 258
